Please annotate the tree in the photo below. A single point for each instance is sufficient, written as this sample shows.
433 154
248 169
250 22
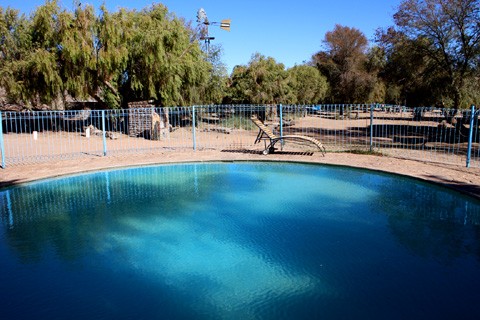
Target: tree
114 57
308 85
29 70
408 74
447 34
374 66
215 88
14 39
163 63
262 81
343 62
345 44
90 58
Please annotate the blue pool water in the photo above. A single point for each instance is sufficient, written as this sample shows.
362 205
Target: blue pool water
238 241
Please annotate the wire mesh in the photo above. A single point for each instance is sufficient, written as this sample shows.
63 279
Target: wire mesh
428 134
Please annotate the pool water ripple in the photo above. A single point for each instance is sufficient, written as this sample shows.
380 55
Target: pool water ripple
238 241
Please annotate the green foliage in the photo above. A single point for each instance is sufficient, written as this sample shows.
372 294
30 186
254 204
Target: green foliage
262 81
307 84
239 122
408 73
429 58
366 152
344 63
214 89
77 40
163 63
14 39
433 50
29 55
470 94
113 57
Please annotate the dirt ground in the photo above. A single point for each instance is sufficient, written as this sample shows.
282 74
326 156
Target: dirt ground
394 134
466 180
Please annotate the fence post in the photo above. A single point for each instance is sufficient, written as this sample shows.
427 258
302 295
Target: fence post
371 127
104 134
470 136
193 123
281 120
1 141
281 125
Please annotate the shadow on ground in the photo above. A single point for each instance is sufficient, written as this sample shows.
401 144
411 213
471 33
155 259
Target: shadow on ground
290 153
469 188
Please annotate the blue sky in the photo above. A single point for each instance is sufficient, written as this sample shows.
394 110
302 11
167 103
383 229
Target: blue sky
289 31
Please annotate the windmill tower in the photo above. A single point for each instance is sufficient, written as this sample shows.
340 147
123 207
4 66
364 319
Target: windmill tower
203 19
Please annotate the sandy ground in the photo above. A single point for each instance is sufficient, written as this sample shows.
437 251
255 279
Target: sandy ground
466 180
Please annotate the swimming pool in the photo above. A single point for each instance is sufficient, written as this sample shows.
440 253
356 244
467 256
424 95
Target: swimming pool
238 240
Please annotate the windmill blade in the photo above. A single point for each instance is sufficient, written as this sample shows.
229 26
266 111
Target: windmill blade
225 24
202 16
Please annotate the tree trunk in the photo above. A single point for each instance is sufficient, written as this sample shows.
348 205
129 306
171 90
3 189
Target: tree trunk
100 101
112 89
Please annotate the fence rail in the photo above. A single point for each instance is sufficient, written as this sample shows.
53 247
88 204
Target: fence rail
429 134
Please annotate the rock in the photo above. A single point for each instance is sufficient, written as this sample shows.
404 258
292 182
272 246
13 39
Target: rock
93 131
111 135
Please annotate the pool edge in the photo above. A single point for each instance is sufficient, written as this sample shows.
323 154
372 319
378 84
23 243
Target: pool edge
381 166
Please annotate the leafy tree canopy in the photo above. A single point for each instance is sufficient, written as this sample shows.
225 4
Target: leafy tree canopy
434 47
430 57
112 57
262 81
308 85
344 63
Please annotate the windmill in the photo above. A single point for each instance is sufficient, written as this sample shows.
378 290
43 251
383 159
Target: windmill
202 19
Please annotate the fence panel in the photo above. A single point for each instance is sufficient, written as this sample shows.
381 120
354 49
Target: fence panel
338 127
475 141
438 135
428 134
48 135
227 127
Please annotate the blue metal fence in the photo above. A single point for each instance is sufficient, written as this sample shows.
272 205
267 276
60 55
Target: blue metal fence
429 134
